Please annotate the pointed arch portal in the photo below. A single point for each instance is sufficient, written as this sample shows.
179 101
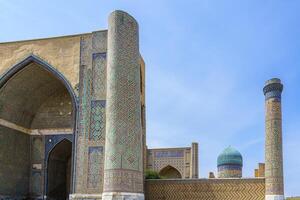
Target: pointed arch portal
170 172
35 100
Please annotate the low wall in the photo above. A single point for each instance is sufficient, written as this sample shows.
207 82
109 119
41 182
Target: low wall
206 189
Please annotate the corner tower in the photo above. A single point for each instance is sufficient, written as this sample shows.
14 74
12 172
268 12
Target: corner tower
273 144
123 169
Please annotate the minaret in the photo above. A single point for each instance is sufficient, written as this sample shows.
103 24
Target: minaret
273 143
123 168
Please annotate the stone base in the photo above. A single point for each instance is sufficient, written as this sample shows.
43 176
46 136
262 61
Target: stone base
274 197
122 196
85 196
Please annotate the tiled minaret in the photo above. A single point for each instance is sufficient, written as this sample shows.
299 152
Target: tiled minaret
123 169
273 143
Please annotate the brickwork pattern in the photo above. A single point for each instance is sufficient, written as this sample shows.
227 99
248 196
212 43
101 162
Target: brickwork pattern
274 170
206 189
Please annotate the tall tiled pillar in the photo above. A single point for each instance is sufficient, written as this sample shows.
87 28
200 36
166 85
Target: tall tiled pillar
273 143
194 161
123 169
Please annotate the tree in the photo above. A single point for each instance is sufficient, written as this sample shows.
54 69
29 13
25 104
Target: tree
151 174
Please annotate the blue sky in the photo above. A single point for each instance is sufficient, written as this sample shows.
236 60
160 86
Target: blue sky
207 61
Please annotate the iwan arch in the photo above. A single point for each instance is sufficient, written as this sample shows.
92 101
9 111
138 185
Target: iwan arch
73 125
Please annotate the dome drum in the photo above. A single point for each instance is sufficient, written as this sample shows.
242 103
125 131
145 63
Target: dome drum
230 164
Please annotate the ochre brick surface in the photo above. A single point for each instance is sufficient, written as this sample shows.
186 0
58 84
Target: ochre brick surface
205 189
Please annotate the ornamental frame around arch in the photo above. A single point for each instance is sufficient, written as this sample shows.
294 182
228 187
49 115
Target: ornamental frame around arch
14 69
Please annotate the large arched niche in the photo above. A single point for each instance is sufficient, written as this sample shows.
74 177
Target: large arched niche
170 172
34 97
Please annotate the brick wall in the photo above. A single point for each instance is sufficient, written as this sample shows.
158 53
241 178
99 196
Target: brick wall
206 189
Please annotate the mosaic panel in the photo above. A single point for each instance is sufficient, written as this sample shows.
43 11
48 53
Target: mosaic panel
99 75
230 173
97 121
169 154
95 167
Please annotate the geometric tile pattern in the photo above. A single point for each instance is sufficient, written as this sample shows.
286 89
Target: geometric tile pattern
122 180
95 167
123 105
99 74
123 150
206 189
97 120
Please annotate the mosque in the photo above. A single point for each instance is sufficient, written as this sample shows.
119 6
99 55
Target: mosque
73 126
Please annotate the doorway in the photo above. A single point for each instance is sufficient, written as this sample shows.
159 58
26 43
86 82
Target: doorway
59 171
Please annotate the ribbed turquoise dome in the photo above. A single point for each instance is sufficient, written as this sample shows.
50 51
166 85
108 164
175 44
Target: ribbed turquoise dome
230 156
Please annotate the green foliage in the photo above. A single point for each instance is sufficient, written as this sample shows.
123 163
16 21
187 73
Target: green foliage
151 174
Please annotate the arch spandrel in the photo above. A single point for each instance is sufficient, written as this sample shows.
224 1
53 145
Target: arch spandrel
61 52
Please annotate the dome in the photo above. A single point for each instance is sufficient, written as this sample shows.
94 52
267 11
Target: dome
230 156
